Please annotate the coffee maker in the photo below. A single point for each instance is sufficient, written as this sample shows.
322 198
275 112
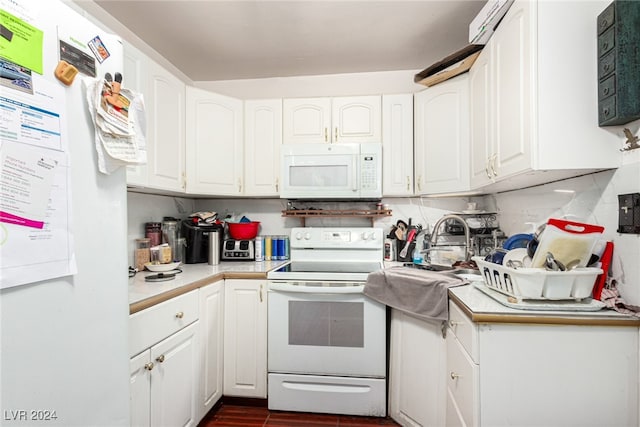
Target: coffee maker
197 237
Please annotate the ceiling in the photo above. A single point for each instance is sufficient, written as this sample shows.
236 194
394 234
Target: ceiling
212 40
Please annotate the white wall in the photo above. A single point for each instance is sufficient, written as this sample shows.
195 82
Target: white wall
594 200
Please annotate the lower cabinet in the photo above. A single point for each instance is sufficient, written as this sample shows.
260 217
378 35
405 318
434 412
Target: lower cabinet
163 381
417 368
211 346
245 338
509 374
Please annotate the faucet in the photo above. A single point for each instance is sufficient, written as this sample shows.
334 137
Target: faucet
467 234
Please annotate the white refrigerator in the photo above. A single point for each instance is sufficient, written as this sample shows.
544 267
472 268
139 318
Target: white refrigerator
64 340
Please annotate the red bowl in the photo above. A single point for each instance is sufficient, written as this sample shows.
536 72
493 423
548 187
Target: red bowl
243 230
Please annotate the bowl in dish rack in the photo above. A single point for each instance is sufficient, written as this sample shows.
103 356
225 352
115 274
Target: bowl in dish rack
162 267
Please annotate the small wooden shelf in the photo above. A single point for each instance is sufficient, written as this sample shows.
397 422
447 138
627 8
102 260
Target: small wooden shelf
303 214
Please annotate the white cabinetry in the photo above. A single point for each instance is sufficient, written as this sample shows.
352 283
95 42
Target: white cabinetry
417 366
343 119
214 144
508 374
262 141
245 338
165 114
164 366
397 145
211 346
442 137
134 77
534 99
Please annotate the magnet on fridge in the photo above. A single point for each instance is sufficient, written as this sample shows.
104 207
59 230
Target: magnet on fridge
65 72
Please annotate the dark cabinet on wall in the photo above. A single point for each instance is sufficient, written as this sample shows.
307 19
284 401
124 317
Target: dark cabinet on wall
619 63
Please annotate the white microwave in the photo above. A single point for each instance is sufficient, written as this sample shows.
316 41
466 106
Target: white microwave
331 171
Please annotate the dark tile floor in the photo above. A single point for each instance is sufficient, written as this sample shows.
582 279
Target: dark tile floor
250 416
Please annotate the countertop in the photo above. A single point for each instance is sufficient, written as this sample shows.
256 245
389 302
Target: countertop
143 294
483 309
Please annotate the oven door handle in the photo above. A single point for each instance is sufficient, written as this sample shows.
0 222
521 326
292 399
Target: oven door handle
289 287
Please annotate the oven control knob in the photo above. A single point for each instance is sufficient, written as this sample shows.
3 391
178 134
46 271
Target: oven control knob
298 236
368 236
307 236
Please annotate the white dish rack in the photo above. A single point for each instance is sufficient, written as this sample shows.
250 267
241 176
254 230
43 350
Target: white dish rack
538 283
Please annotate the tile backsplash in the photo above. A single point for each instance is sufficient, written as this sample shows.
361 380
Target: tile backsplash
591 198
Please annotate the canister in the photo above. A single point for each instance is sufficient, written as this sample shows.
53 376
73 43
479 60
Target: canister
259 248
267 248
142 254
214 247
281 247
154 233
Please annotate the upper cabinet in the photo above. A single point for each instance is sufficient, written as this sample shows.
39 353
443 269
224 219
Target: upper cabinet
262 141
165 114
442 137
214 144
330 120
397 145
534 99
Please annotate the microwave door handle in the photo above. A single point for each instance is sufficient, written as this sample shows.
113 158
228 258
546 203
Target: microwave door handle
356 176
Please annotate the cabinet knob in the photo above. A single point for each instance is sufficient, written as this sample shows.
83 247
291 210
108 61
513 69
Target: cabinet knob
160 358
605 45
606 67
606 91
180 314
336 134
148 366
408 183
326 135
606 111
454 375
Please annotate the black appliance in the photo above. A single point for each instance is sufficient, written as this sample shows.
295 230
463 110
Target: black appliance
197 239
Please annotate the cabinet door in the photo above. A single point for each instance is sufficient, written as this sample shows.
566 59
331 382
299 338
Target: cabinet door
134 71
442 137
262 141
214 144
141 369
165 132
306 120
397 145
211 343
480 97
173 386
245 338
513 98
356 119
417 371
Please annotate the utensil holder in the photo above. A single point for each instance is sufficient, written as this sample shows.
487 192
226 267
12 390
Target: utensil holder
399 246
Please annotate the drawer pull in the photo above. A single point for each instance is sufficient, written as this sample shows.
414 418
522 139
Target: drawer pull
454 376
180 315
606 91
160 358
453 324
148 366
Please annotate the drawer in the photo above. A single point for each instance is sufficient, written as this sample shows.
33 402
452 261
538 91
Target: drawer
464 329
606 18
607 109
606 42
607 88
154 324
463 382
606 65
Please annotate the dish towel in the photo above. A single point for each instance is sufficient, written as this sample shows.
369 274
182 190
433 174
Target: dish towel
419 292
610 295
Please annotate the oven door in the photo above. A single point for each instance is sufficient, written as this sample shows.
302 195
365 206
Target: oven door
325 330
